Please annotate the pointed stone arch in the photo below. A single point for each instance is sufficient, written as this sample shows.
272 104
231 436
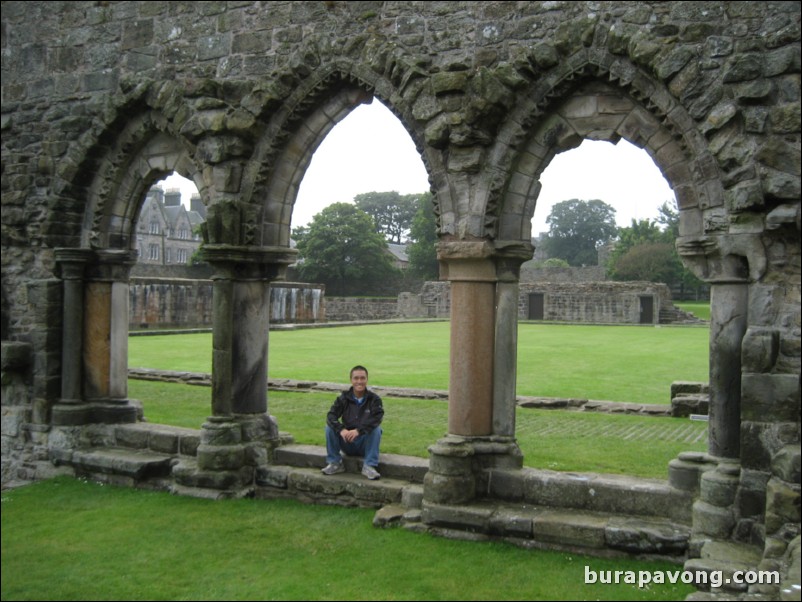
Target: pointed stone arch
603 100
294 131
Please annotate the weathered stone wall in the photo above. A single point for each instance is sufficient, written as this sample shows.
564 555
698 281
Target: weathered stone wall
583 302
100 100
346 309
169 303
594 273
180 303
595 302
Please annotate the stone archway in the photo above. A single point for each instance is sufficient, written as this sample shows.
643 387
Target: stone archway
94 370
489 93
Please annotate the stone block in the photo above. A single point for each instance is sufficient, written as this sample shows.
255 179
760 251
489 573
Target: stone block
389 515
786 464
412 496
782 504
317 484
188 445
644 497
506 484
131 436
544 488
220 457
13 419
685 474
646 536
510 522
273 476
221 434
718 489
712 520
472 518
775 395
440 489
569 528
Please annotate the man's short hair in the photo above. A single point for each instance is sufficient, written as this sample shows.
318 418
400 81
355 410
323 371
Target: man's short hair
355 368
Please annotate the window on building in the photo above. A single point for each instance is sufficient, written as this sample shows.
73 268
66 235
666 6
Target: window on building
153 252
154 227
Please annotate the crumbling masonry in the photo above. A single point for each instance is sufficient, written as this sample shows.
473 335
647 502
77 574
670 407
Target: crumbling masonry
101 99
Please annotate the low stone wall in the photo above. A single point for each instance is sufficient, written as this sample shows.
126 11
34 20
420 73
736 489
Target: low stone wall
594 273
348 309
594 302
169 303
186 303
589 302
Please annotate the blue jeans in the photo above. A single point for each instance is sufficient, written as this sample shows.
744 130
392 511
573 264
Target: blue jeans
364 445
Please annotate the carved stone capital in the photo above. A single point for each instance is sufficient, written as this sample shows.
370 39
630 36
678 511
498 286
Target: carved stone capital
482 260
724 257
248 263
71 263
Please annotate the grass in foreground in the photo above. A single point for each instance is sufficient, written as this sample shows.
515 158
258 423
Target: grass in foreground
70 540
614 363
553 439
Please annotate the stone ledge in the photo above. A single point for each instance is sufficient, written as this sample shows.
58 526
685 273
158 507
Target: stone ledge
344 489
394 466
135 464
617 494
589 532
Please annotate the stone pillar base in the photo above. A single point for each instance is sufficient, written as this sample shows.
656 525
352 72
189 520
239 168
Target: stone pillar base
95 412
458 465
686 470
230 450
714 511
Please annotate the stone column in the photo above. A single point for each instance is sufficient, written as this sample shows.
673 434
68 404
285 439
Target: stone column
481 400
505 361
95 344
470 398
72 264
728 323
105 344
239 434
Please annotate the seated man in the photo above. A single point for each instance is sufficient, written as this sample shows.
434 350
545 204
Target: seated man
352 426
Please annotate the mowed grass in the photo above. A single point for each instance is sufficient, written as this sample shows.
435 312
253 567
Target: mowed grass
552 439
613 363
66 539
700 309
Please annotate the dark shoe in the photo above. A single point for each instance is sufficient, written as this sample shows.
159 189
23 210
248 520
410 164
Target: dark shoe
333 468
370 472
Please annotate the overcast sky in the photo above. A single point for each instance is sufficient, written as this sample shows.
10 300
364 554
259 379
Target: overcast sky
370 151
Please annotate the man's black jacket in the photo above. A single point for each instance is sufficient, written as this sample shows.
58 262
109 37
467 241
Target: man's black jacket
346 413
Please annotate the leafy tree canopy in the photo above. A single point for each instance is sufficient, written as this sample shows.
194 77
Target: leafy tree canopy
392 213
576 230
645 251
341 249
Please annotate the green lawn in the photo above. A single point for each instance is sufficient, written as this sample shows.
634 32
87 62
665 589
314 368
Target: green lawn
614 363
66 539
552 439
700 309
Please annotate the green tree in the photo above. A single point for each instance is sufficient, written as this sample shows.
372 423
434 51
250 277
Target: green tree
341 250
422 251
576 230
640 232
651 262
392 213
645 251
